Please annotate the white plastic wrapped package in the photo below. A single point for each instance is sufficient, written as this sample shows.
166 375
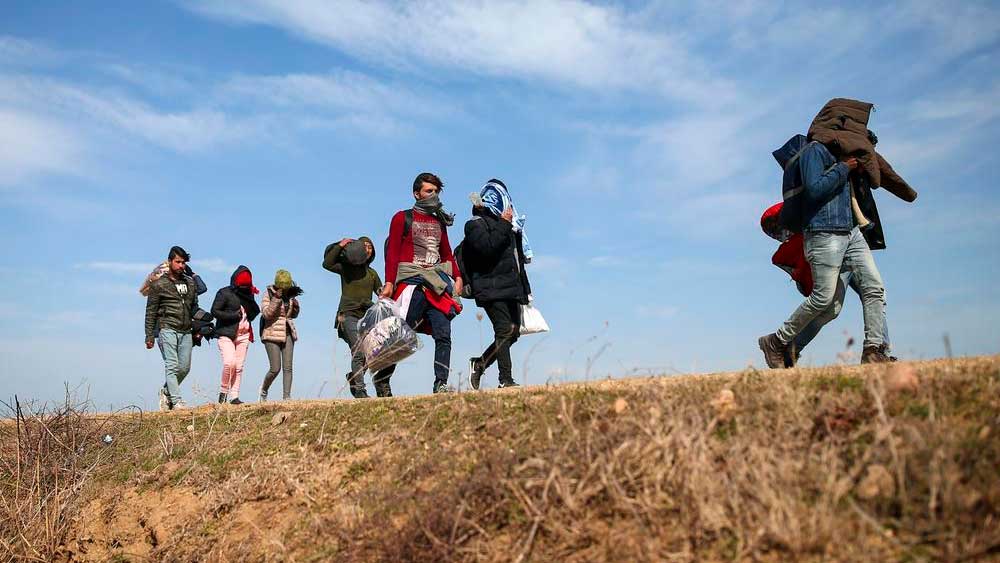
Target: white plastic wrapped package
384 337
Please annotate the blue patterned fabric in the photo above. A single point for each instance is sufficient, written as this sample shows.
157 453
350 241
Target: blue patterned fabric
496 198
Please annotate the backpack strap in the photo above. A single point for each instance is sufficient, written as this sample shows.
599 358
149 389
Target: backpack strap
785 195
407 222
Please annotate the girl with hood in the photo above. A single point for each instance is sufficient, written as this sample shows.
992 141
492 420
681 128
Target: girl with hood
351 260
279 306
234 309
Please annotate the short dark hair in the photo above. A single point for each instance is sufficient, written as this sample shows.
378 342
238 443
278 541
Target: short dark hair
176 251
426 177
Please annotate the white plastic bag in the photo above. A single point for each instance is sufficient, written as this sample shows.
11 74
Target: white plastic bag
532 321
384 337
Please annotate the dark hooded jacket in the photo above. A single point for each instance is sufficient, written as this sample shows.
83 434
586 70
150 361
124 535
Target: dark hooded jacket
493 259
357 281
226 307
842 126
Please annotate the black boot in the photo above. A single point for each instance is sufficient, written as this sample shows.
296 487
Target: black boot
222 397
357 385
382 389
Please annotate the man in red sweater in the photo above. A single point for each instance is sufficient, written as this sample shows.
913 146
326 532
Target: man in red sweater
421 272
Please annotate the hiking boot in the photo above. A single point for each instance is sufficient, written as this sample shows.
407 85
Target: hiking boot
236 401
359 393
774 350
223 397
508 383
442 387
383 389
875 355
164 400
475 373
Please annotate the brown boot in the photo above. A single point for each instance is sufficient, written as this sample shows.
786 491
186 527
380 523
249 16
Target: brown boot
875 355
774 350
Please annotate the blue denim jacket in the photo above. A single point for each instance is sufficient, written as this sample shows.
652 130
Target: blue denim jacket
826 190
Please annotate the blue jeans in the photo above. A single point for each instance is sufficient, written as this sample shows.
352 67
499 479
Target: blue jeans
175 347
838 260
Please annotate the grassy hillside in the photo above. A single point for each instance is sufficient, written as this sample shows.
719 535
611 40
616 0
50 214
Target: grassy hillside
826 464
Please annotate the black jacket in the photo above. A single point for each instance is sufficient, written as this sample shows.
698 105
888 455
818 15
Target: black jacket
493 259
167 308
226 307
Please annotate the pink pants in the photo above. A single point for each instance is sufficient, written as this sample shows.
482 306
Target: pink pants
234 356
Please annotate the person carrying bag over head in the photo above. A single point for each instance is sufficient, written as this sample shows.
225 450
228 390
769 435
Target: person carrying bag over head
492 260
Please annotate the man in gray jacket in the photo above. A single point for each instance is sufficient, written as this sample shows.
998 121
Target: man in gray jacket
169 305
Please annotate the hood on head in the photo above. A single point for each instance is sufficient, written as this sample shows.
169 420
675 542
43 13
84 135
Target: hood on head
770 222
789 149
372 257
241 268
283 279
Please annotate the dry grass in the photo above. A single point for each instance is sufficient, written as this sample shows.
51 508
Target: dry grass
831 464
47 456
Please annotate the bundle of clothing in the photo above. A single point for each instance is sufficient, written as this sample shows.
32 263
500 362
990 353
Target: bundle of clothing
791 254
842 126
384 337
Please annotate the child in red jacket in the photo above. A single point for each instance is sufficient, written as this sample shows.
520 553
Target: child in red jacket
791 257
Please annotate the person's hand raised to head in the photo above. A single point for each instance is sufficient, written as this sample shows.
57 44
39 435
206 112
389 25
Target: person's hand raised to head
345 241
852 163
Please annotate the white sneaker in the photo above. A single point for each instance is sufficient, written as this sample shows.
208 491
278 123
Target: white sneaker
179 406
263 395
164 400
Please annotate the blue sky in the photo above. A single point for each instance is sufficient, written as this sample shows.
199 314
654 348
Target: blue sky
636 137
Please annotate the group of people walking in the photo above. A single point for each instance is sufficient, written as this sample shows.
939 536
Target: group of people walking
423 274
175 320
827 223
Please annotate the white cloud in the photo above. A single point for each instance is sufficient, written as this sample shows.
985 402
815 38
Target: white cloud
32 145
16 51
570 43
213 265
129 268
183 131
342 91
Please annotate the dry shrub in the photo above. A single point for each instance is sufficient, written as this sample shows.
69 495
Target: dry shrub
47 456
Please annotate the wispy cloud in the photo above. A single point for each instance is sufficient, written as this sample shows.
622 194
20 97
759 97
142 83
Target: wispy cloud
16 51
47 119
213 265
31 145
564 43
130 268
